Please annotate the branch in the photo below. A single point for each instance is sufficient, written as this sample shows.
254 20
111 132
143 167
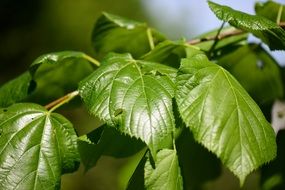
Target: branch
219 37
62 100
223 35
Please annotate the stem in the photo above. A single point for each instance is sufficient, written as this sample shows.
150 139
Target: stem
150 38
92 60
62 100
278 19
217 38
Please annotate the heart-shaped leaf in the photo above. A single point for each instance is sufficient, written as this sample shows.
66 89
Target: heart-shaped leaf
133 96
36 147
268 31
223 117
165 174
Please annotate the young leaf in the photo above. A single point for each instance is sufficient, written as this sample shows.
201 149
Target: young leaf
223 117
268 31
116 34
166 172
36 148
270 9
256 71
58 58
98 143
168 52
58 73
16 90
133 96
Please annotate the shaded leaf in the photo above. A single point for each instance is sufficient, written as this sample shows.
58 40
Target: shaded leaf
36 148
137 180
223 117
16 90
273 174
117 34
198 165
268 31
166 172
256 71
270 9
106 141
133 96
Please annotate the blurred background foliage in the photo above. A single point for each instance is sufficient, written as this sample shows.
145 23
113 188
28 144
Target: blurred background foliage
30 28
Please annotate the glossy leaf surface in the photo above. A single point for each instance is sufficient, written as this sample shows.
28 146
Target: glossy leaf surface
165 174
223 117
268 31
133 96
36 148
117 34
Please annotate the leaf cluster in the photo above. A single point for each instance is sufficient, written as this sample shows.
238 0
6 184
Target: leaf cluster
176 101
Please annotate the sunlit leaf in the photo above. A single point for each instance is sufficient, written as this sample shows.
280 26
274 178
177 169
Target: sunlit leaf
223 117
36 148
133 96
268 31
165 174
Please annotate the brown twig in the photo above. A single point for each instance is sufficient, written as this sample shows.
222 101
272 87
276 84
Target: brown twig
62 100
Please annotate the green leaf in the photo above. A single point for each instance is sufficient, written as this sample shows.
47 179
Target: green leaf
58 58
269 10
166 172
116 34
133 96
256 71
223 117
36 147
59 73
16 90
268 31
98 143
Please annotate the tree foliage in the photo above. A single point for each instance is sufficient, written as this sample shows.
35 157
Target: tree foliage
166 98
